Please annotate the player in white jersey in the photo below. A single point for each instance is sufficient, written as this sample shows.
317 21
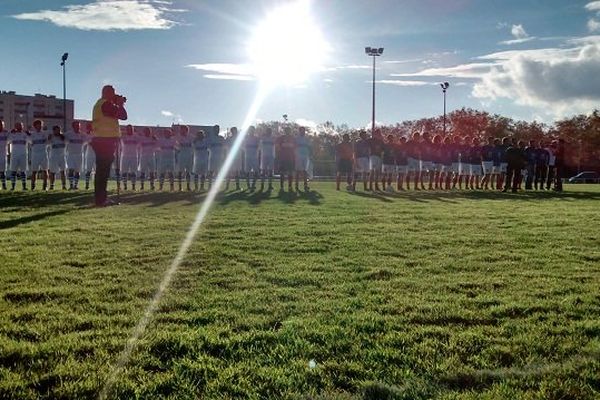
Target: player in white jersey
216 154
89 155
17 142
57 157
200 168
3 152
266 147
129 157
147 167
235 171
185 157
302 158
251 165
75 140
166 159
38 154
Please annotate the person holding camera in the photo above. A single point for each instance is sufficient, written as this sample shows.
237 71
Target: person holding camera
108 110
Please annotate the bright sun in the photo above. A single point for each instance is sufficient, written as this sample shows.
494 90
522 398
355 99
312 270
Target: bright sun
287 46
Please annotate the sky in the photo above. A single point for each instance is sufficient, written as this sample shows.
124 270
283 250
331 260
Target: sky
193 61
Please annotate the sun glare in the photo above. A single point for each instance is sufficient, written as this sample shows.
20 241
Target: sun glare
287 46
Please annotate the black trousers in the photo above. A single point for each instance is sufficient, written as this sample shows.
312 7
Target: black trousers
105 154
550 178
513 175
541 171
531 170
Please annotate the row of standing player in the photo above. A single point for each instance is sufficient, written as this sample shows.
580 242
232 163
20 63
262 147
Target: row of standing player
198 158
444 163
48 155
147 156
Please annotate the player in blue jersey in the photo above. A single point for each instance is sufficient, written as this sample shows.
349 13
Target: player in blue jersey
437 162
302 158
251 161
147 151
200 167
376 146
497 155
38 154
57 157
362 150
75 141
267 158
3 153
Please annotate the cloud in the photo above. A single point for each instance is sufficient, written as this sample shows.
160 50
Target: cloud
108 15
405 83
558 81
593 6
167 113
519 32
306 123
473 70
593 25
520 35
170 114
229 77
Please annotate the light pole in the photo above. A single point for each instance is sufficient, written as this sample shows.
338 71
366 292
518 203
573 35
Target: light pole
373 52
64 64
445 87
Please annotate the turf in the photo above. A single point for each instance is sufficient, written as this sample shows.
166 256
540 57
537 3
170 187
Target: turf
461 295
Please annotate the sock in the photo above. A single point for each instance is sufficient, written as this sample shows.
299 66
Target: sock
13 179
87 180
3 179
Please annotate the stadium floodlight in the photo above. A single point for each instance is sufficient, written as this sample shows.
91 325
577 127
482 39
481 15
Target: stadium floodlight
445 87
63 64
373 52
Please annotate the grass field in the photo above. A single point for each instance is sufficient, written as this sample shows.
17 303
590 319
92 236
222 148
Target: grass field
462 295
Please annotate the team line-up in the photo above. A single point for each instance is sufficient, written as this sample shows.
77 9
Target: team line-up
441 162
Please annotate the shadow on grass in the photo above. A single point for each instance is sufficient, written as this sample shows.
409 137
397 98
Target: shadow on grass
43 199
312 197
11 223
423 196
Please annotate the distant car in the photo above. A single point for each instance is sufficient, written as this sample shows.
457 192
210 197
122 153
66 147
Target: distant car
585 177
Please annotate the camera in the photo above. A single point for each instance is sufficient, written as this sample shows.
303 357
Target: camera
120 99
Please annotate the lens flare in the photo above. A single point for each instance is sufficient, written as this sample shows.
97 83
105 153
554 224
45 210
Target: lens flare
141 326
288 46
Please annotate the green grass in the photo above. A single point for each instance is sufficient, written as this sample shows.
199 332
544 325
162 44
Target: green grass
462 295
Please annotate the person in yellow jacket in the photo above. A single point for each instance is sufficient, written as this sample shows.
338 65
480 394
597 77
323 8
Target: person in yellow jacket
107 112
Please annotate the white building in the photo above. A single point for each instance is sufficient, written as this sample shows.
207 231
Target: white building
21 108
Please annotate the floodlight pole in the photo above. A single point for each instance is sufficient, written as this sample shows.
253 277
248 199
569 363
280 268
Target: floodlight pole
445 87
64 64
373 52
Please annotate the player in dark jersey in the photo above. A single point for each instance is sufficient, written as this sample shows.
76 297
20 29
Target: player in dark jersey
531 155
446 157
376 146
497 161
413 151
401 162
475 157
389 163
344 158
455 157
487 156
500 151
437 161
286 157
427 170
541 167
362 150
